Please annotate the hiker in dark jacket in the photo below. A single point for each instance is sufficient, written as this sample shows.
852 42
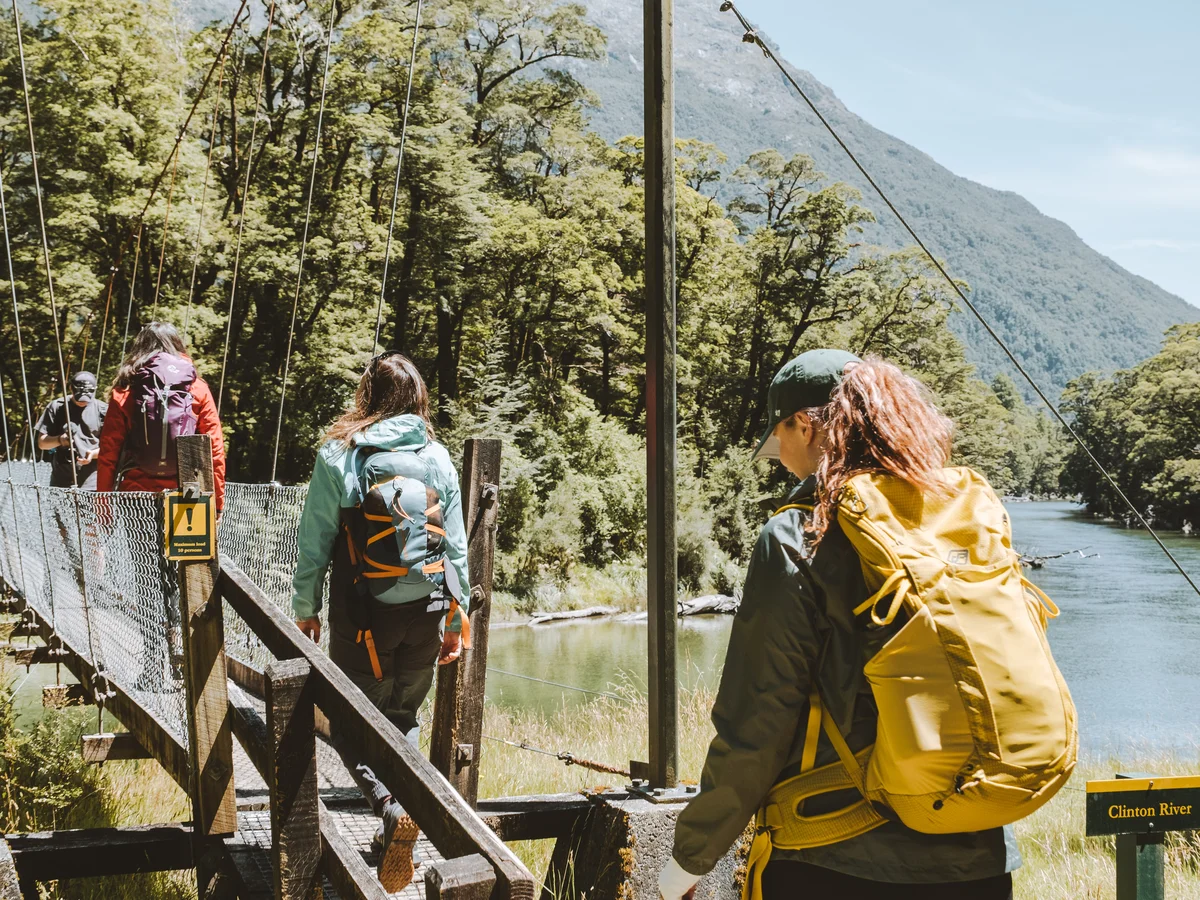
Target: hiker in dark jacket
392 614
78 437
796 630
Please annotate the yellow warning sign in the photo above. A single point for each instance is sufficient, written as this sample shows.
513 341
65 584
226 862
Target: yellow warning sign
189 527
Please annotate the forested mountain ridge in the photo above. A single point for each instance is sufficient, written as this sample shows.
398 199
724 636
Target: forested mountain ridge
1063 307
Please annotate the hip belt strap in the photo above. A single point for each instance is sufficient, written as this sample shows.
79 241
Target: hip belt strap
781 822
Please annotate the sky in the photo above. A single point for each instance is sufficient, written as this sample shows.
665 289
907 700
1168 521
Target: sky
1088 108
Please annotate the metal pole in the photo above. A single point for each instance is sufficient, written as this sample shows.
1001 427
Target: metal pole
660 390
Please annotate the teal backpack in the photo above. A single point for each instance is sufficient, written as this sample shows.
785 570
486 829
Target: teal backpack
396 541
402 550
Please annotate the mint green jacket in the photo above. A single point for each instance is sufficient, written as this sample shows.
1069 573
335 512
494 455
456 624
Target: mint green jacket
334 486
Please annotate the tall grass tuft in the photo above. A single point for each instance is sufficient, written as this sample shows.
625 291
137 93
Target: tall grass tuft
1060 863
45 785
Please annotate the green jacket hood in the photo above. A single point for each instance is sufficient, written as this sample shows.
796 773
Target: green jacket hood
406 432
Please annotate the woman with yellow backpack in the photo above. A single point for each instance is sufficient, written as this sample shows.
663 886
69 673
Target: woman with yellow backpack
889 704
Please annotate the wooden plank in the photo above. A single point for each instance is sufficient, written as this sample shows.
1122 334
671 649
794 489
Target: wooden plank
533 818
465 878
10 882
210 733
94 852
250 881
60 696
98 748
342 864
444 817
34 656
246 676
455 744
292 767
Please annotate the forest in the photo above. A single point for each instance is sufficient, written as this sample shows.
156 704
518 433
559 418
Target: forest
513 270
1143 424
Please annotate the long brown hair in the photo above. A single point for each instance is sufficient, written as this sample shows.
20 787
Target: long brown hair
879 420
391 386
155 337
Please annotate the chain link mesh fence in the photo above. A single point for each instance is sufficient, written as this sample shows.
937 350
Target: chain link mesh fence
258 534
92 565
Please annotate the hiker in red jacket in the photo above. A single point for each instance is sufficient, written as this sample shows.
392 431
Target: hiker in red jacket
157 397
137 457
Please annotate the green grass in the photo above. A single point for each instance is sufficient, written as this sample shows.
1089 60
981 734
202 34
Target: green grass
45 785
1059 862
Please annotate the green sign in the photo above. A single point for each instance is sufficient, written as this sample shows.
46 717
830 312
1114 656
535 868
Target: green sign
189 521
1143 805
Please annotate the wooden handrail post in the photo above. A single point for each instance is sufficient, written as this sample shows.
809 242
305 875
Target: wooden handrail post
458 708
292 767
465 878
210 735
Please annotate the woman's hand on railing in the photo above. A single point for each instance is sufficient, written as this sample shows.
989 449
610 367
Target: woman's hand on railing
311 628
451 648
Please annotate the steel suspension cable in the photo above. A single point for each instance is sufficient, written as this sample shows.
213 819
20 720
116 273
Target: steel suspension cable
12 283
137 256
312 182
212 145
241 228
62 372
751 37
139 221
387 250
162 256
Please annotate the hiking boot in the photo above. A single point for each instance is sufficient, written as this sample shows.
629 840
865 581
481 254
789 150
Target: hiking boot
398 835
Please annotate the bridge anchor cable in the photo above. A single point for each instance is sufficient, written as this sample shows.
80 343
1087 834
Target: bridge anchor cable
751 36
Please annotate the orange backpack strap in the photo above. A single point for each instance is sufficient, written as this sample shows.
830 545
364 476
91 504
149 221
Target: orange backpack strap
365 637
466 623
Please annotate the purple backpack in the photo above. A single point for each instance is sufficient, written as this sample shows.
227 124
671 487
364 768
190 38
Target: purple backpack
161 412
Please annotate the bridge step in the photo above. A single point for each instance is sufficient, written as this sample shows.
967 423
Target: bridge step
98 748
60 696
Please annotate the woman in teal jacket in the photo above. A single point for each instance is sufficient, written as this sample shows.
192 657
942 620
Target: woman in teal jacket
386 632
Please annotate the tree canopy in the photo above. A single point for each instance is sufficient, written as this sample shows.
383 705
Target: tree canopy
515 276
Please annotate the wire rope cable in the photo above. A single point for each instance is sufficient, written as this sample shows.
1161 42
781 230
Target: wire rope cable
212 145
139 221
751 37
37 190
387 250
241 226
12 284
312 182
162 256
137 256
569 687
566 757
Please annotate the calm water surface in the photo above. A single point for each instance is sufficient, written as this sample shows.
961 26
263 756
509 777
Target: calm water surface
1128 639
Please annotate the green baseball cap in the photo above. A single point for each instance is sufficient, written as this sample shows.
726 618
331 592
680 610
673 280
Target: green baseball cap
805 382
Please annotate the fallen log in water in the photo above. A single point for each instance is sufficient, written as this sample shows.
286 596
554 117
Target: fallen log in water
567 614
714 604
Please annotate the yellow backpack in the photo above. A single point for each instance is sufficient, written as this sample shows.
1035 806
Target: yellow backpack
976 726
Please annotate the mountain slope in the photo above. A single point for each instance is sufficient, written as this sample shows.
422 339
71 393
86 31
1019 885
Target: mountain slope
1061 306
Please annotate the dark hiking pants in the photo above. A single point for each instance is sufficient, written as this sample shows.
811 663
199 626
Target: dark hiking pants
407 638
787 880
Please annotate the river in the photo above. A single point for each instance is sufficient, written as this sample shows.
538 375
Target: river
1127 641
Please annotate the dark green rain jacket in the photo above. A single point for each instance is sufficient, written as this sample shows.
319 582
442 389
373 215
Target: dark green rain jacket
795 611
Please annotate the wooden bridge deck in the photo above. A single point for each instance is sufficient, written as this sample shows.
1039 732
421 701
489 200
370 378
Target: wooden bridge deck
343 801
345 804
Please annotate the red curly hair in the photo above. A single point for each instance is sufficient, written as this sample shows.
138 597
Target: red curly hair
878 420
